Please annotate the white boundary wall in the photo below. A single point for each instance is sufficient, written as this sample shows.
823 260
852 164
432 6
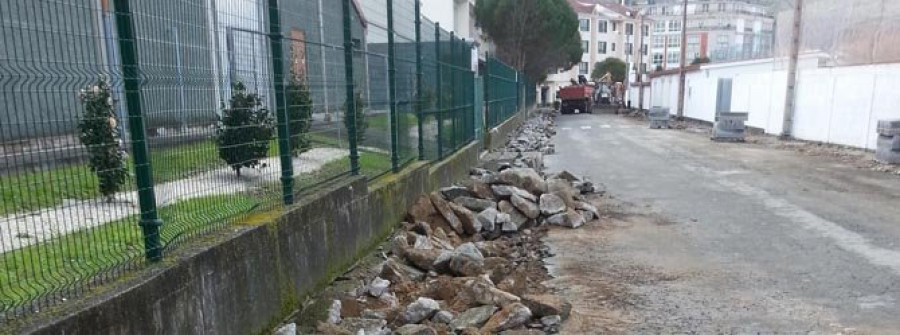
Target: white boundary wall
839 105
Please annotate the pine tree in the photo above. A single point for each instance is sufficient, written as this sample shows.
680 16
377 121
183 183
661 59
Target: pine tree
244 130
98 133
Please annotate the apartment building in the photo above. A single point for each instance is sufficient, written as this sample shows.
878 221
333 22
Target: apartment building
607 30
721 30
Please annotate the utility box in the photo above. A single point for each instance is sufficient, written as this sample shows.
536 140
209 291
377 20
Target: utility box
659 117
888 150
730 127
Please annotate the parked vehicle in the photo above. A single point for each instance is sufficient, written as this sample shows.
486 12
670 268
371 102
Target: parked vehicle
578 96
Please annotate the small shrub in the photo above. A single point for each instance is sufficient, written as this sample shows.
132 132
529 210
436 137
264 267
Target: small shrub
361 123
97 131
299 111
244 130
700 60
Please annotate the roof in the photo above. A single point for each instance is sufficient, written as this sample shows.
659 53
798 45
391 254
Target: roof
589 6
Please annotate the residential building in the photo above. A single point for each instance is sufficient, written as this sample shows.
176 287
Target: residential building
607 30
721 30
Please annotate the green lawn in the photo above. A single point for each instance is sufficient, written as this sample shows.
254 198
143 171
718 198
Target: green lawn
383 121
76 259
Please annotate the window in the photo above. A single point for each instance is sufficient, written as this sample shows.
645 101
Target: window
613 47
601 47
629 47
583 68
659 42
615 26
657 58
645 29
704 8
673 58
722 7
675 25
643 69
674 41
651 11
585 25
659 27
602 26
585 46
629 29
644 49
664 10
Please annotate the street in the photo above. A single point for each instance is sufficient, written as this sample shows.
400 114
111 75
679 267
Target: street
703 237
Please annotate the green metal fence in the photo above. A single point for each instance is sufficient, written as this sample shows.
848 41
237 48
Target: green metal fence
129 127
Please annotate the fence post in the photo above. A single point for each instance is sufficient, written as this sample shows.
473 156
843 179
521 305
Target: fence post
392 89
489 121
149 218
350 109
454 93
281 115
419 91
439 114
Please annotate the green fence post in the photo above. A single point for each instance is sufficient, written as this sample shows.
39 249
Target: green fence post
143 170
350 110
419 90
454 93
439 114
281 115
392 89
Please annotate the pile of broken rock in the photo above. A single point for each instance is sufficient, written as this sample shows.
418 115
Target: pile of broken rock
460 265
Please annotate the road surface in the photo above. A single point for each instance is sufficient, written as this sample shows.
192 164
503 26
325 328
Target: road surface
707 237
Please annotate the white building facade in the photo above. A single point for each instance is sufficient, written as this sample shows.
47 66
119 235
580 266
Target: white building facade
607 30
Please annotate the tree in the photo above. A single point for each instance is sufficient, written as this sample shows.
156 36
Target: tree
612 65
299 110
532 35
244 130
361 122
97 131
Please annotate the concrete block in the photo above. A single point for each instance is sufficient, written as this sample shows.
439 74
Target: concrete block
889 127
730 127
659 117
888 150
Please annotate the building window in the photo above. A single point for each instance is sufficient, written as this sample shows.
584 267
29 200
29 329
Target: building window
664 10
704 8
644 49
601 47
659 27
585 46
674 41
602 26
675 25
722 7
657 58
615 26
629 29
583 68
613 47
585 25
645 29
673 58
629 48
659 42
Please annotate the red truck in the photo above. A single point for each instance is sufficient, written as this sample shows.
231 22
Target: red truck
580 97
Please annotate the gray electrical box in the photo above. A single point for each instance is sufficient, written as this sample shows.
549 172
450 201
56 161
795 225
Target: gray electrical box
730 127
723 96
888 150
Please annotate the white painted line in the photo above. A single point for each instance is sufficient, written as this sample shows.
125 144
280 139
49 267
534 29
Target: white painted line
585 127
605 126
566 128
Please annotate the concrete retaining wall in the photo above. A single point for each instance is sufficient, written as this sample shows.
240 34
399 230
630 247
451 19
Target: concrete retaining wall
247 280
497 136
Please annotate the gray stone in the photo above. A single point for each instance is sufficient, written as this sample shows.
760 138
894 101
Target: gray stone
523 332
524 178
370 314
288 329
415 330
515 215
552 204
421 258
480 189
442 263
527 207
583 206
398 272
485 293
475 204
570 218
547 305
509 227
467 219
473 317
511 316
471 250
453 192
422 242
503 218
334 312
487 218
551 320
446 211
389 299
378 287
367 326
566 175
506 191
398 244
421 309
442 317
464 265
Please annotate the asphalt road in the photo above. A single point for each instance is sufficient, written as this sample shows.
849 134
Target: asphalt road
707 238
